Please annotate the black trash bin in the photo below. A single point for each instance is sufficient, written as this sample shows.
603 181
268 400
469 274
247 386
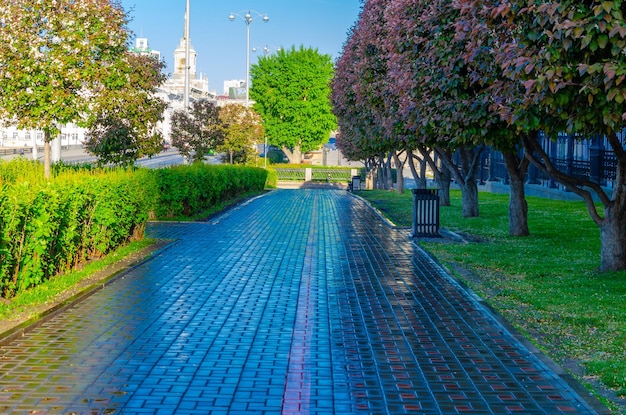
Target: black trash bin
425 212
356 183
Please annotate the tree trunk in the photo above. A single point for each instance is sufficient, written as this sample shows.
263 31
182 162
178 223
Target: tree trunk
380 173
613 226
465 176
423 181
46 155
389 170
469 168
400 175
613 238
613 223
370 173
380 178
518 207
416 176
294 156
442 174
444 178
469 198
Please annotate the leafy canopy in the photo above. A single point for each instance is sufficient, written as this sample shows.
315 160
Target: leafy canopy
360 88
123 121
292 94
54 55
242 129
197 131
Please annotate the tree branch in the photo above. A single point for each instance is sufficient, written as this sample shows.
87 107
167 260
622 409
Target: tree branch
446 159
533 148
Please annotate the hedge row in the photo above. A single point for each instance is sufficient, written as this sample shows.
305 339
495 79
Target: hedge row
50 226
189 189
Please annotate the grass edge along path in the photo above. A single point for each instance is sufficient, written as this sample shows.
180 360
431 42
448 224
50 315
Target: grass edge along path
32 306
547 285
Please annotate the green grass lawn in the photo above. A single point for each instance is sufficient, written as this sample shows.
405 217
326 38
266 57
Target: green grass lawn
547 285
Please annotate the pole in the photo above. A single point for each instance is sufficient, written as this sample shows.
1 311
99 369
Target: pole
248 20
247 63
187 45
34 137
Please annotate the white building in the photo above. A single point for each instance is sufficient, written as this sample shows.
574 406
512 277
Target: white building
142 48
198 83
234 84
10 136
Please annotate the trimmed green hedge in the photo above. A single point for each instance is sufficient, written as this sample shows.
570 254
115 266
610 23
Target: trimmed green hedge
190 189
51 226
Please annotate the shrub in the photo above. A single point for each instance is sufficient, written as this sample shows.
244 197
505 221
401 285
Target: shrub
272 179
47 227
190 189
51 226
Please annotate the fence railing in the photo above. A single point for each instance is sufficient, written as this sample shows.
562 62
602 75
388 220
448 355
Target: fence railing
290 174
596 163
331 175
18 150
317 175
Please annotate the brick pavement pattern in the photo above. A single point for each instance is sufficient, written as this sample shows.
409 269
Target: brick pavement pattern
297 302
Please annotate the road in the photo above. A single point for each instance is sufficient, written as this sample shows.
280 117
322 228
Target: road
77 155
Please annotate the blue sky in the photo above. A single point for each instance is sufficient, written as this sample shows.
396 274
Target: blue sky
221 44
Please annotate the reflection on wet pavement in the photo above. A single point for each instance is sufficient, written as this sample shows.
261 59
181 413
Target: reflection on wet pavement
298 302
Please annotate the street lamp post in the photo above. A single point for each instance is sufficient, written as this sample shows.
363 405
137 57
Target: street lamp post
247 18
187 56
266 49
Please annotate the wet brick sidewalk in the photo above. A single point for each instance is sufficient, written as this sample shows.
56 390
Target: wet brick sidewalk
298 302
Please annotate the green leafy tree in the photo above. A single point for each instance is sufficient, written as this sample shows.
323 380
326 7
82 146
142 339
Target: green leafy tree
54 56
292 94
198 131
123 124
242 128
569 55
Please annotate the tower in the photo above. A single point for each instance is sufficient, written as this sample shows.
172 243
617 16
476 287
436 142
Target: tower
180 57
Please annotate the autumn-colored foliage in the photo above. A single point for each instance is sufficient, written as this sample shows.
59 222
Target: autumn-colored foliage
456 74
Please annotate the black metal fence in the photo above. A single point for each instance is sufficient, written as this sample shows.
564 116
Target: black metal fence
583 158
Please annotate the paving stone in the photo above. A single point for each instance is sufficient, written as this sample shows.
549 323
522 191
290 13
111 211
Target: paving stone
300 301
